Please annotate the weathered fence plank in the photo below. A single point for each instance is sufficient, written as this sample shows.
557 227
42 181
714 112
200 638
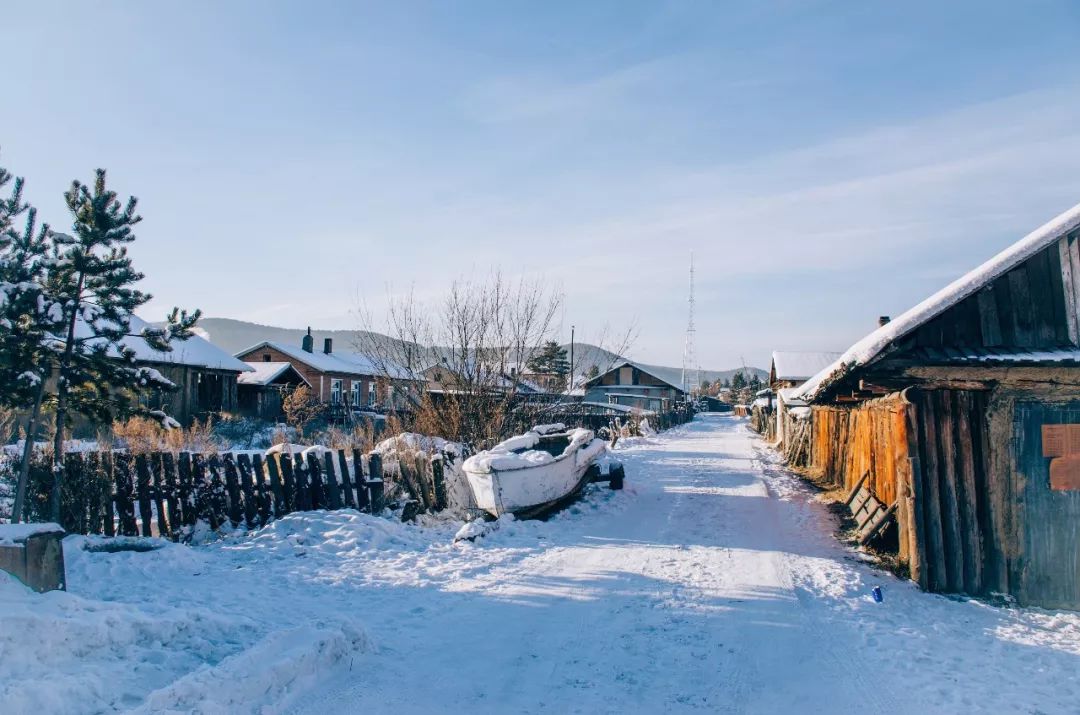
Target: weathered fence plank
276 487
359 480
125 490
315 479
375 482
188 510
268 496
158 488
247 488
108 518
346 484
172 505
439 481
333 491
232 490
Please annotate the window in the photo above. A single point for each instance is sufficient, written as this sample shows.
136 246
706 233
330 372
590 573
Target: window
371 392
354 393
335 391
266 357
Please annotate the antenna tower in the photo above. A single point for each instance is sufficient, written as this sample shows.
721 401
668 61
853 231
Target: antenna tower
691 369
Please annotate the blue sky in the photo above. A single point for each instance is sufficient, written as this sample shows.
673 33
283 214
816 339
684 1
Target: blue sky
827 162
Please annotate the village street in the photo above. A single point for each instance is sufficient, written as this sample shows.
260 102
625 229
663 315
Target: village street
712 583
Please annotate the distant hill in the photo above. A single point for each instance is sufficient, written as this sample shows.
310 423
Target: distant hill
236 335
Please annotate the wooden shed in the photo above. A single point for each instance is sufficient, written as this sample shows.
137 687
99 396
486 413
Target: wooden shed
963 414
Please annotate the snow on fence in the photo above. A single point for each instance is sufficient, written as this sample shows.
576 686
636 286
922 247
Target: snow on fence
166 494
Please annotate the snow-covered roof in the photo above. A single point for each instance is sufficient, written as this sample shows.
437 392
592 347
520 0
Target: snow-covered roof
801 364
263 373
870 347
629 363
343 362
195 351
788 396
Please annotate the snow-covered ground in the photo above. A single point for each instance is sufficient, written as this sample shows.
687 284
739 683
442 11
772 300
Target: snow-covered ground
711 583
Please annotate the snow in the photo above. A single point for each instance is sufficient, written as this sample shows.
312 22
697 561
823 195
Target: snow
712 582
870 347
17 533
338 362
518 453
263 373
801 365
195 351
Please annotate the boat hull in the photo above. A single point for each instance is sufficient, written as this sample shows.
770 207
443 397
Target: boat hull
530 492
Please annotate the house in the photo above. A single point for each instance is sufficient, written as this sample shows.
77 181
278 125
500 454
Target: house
205 376
630 384
963 415
261 391
341 379
789 370
444 377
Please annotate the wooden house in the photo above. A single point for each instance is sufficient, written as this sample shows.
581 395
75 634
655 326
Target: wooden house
963 416
261 391
205 376
789 370
344 379
632 385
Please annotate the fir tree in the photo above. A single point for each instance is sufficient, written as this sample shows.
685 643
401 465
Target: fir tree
93 280
28 320
551 360
593 371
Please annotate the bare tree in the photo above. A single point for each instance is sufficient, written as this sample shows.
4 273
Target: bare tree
464 346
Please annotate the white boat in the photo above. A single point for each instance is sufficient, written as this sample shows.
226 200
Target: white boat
533 473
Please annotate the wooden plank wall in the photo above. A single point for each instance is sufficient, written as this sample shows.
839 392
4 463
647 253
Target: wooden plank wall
1033 305
869 438
949 433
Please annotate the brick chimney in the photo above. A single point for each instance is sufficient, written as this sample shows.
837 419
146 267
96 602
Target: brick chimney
309 342
328 345
883 320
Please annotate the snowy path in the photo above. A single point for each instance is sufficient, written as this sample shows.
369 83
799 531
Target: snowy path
711 584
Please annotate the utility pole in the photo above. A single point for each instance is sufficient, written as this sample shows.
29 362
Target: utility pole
572 368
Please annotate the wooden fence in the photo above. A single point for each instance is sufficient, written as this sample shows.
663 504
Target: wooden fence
165 494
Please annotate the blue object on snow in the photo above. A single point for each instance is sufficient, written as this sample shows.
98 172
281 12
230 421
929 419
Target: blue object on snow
878 597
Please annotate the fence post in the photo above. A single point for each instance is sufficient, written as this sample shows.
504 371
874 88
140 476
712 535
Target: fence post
315 475
346 487
288 478
439 481
358 480
108 516
168 474
333 491
124 492
142 475
232 489
375 483
188 512
158 477
280 509
247 488
300 482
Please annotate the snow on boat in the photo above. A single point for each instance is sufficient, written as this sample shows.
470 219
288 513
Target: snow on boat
533 473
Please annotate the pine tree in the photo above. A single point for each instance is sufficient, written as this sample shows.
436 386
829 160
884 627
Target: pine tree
28 320
738 381
93 280
593 371
551 360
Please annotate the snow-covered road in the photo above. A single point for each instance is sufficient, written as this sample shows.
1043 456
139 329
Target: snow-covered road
712 583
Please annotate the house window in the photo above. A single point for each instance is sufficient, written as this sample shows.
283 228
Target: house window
371 392
335 391
266 357
354 392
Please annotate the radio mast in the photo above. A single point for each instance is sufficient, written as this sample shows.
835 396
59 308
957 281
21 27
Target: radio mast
691 369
